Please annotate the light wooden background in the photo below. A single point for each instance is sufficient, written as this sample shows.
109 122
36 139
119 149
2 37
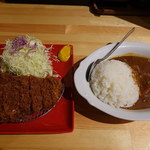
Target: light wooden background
93 129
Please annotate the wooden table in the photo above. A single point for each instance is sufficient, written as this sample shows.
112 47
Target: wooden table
75 25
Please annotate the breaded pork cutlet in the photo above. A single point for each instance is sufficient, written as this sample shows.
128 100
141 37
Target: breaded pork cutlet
21 96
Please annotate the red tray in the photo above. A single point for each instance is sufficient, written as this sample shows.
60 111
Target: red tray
61 118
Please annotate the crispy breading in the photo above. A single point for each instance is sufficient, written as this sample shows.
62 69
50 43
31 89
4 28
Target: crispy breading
21 96
35 94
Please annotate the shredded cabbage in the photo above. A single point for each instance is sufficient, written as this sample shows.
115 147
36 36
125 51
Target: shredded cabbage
26 55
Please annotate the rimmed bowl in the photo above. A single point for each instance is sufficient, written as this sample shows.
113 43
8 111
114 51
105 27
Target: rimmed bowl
84 89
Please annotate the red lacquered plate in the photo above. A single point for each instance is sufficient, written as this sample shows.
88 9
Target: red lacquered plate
61 118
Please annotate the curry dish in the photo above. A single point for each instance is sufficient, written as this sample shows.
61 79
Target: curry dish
141 69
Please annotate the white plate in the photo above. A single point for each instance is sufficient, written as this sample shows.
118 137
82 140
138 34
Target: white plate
84 89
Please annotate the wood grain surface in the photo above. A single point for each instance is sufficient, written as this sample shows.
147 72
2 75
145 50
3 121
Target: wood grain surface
76 25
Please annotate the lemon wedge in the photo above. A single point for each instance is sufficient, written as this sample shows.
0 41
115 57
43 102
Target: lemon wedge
64 53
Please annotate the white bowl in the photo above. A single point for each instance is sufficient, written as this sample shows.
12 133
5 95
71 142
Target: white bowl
84 89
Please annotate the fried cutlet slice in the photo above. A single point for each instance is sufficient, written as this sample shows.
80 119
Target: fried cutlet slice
47 101
51 91
15 106
35 94
24 92
3 82
1 102
10 102
55 87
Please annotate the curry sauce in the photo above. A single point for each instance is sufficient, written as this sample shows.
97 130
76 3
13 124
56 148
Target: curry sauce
141 70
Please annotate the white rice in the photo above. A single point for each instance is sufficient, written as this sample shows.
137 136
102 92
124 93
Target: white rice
113 83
